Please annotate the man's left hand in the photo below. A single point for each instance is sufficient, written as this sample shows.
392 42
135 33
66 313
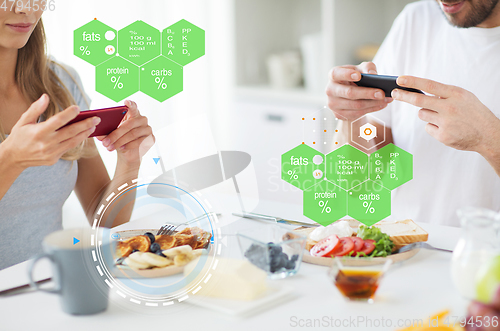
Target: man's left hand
454 115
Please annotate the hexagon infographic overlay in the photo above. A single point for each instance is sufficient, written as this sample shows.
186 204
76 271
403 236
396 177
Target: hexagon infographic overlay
347 182
139 57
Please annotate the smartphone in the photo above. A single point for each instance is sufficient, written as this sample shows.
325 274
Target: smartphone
110 119
385 83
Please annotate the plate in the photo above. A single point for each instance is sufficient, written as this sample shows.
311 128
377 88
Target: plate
328 261
124 271
240 308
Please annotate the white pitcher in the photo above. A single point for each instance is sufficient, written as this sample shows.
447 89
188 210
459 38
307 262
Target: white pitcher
480 242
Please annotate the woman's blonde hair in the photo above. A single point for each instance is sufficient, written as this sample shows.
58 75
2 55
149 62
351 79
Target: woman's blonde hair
34 76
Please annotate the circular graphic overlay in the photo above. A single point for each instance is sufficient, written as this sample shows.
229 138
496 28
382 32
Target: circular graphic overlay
317 159
129 284
109 35
317 174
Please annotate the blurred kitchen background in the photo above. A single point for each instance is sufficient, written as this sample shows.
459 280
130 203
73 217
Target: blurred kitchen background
259 85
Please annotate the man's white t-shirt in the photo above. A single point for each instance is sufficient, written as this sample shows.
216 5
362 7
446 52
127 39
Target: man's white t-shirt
422 43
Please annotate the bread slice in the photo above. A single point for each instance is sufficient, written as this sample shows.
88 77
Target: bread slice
403 232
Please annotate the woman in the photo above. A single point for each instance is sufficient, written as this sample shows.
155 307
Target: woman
39 164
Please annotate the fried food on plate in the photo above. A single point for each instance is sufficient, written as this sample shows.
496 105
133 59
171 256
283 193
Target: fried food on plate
139 243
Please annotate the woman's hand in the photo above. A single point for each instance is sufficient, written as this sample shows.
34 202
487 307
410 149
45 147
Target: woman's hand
33 144
133 137
454 115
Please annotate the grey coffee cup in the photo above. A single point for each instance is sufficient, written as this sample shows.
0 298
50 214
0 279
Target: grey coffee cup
79 286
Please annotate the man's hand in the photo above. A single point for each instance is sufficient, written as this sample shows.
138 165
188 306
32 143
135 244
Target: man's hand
454 115
349 100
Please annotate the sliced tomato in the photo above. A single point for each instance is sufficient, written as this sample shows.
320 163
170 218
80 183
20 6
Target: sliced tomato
368 247
358 244
325 246
346 245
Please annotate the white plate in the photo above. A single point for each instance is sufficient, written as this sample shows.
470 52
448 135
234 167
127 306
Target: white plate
240 308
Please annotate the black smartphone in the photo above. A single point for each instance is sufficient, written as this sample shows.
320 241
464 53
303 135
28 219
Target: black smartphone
385 83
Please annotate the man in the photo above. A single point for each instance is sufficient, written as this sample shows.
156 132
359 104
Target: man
453 131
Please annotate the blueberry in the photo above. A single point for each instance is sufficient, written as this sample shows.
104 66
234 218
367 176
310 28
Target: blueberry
294 257
151 236
275 262
275 249
155 247
159 252
290 265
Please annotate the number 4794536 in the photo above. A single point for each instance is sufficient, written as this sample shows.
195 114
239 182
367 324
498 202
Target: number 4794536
34 5
472 321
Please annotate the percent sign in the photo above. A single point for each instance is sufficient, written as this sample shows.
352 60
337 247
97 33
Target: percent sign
85 50
292 174
324 205
161 83
117 82
369 208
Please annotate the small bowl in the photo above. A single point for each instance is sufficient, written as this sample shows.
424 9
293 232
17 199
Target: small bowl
357 283
274 249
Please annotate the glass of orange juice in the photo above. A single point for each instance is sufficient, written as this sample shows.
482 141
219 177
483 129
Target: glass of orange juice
358 278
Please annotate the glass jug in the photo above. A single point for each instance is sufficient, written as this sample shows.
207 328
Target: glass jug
480 242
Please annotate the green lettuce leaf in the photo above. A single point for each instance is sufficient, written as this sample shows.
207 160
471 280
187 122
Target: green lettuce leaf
383 243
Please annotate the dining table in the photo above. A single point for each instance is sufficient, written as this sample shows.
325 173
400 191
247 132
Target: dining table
411 291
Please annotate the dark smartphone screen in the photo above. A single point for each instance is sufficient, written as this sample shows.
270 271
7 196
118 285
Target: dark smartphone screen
385 83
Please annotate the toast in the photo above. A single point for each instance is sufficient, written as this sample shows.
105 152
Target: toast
403 232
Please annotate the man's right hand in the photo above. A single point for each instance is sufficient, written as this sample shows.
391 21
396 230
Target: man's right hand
37 144
347 99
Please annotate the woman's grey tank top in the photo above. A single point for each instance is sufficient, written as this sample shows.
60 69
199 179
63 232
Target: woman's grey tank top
32 207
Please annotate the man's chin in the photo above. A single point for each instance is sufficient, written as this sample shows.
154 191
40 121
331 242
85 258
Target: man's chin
456 21
468 14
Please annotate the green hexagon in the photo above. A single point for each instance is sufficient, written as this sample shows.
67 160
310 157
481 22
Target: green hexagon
325 203
347 167
117 78
139 42
369 203
94 42
302 166
161 78
391 166
183 42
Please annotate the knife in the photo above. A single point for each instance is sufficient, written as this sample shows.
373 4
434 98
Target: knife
22 289
274 219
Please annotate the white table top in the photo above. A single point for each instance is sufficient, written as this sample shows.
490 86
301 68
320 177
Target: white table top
413 289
